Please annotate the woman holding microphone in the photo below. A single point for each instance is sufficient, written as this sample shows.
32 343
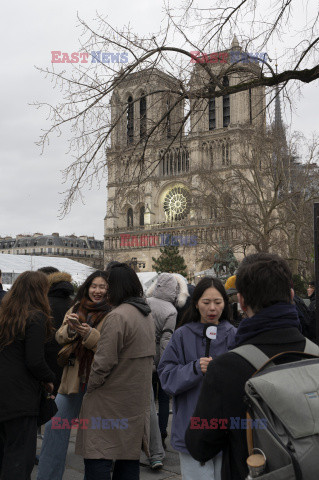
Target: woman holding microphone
205 333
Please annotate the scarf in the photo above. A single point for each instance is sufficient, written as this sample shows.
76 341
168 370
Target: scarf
280 315
91 313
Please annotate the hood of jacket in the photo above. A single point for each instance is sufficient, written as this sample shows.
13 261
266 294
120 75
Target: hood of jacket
170 287
140 303
60 284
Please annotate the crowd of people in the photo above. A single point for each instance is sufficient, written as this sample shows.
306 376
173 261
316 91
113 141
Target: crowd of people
110 352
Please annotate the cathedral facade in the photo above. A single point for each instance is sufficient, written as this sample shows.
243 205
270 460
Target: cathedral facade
152 202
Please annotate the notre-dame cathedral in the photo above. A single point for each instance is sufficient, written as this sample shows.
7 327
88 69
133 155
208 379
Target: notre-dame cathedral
150 204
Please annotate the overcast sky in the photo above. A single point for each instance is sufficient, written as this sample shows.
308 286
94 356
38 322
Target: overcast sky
30 183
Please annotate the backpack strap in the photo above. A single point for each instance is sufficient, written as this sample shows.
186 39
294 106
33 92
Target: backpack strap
252 354
311 348
257 358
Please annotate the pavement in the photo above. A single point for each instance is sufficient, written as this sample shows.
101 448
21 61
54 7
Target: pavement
75 467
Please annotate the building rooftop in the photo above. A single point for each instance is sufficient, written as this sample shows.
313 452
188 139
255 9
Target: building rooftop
38 239
20 263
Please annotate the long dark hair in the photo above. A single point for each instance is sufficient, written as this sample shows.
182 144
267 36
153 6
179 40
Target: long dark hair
84 288
83 306
28 295
123 284
192 313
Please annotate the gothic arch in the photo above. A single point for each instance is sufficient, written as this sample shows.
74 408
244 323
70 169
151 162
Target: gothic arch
130 119
141 215
226 153
129 217
226 104
175 161
210 153
142 103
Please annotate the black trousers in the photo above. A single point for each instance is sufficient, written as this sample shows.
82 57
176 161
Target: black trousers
163 404
101 469
18 445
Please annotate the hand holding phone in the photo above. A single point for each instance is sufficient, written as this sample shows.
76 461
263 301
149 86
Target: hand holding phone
74 320
82 329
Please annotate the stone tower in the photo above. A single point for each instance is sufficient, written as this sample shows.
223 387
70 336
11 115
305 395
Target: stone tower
151 205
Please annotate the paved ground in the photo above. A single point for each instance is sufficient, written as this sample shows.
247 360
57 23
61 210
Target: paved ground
74 470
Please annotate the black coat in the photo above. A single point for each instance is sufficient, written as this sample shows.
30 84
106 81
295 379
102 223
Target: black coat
2 292
312 305
22 369
222 397
305 317
312 325
60 301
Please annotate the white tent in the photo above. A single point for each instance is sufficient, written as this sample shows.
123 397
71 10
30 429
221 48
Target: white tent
147 278
210 272
13 265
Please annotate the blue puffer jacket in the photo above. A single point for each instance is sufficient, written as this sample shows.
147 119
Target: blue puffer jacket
182 378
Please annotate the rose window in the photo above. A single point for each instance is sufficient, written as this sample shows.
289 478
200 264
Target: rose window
176 204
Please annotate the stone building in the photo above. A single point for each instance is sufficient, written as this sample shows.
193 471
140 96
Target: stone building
83 249
153 204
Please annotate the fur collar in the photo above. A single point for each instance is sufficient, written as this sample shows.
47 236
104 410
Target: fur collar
57 277
182 290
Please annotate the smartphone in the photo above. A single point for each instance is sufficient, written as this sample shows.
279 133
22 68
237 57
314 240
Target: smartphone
75 321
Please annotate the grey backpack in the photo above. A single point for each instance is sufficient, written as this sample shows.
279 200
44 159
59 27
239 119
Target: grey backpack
283 403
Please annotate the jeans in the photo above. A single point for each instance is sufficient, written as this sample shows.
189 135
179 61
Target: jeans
191 469
56 441
156 446
101 469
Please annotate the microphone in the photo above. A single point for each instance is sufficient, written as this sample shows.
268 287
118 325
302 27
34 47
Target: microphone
210 332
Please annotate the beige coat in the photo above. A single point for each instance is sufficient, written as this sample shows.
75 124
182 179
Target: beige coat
70 382
117 402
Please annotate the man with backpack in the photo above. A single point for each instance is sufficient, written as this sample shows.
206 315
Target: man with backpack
272 325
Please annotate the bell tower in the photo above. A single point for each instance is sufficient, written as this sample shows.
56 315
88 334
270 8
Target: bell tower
155 167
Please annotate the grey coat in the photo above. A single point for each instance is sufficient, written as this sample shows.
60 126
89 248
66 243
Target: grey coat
169 290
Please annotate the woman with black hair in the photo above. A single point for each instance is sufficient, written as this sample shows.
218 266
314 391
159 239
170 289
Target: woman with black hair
117 403
205 333
81 327
24 326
